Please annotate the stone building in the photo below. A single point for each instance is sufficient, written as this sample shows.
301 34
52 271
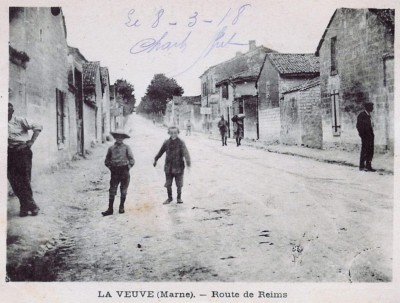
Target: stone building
181 109
356 53
301 121
106 119
116 111
238 95
279 73
75 91
93 97
38 81
229 82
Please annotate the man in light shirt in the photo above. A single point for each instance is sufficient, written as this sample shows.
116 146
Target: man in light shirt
20 160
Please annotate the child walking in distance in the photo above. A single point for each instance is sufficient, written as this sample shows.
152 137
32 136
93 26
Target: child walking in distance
176 156
119 160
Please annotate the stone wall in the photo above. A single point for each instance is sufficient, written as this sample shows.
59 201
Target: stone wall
270 124
290 120
310 116
268 103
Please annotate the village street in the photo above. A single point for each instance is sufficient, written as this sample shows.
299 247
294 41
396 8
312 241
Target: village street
244 209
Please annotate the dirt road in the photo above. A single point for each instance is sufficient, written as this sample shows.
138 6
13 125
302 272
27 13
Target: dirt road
244 210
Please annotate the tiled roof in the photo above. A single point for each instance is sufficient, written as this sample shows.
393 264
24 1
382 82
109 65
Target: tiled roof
246 65
238 63
305 85
89 73
76 53
295 63
104 75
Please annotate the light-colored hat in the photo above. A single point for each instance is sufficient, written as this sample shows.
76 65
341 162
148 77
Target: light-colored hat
120 132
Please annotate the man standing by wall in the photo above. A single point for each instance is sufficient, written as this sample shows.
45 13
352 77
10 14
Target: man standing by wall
19 164
366 132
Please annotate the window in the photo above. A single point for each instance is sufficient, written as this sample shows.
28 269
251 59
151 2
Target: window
60 108
241 107
204 88
334 70
335 113
55 11
225 91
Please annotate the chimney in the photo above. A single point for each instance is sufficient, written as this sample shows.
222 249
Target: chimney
238 54
252 45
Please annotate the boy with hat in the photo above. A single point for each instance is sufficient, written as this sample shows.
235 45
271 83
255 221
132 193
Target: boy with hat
119 160
176 153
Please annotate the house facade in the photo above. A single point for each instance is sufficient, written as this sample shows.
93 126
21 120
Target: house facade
93 97
38 81
301 120
116 111
238 95
279 73
356 53
226 87
75 91
209 97
106 118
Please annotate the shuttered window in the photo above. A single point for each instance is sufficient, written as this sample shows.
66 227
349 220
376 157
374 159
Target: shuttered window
336 117
334 70
225 91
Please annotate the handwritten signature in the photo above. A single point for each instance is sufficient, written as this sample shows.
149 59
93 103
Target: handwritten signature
218 41
222 38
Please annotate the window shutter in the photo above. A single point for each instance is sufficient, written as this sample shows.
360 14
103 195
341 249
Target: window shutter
336 117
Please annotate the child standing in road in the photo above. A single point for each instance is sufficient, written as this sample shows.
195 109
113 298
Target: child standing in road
176 156
119 160
188 128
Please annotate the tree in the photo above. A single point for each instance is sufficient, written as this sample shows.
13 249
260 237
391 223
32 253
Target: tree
160 89
125 90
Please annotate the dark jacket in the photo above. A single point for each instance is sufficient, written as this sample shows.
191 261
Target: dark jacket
364 126
119 155
223 126
175 151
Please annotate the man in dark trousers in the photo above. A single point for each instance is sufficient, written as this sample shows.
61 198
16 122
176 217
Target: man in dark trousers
19 164
366 132
223 129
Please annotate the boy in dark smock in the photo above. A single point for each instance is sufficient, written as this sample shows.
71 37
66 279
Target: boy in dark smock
176 156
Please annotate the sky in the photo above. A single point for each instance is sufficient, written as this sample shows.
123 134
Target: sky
137 39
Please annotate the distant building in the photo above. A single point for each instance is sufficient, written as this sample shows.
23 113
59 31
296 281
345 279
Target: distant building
75 91
238 95
116 111
181 109
227 86
105 119
279 73
301 121
356 53
38 81
93 97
